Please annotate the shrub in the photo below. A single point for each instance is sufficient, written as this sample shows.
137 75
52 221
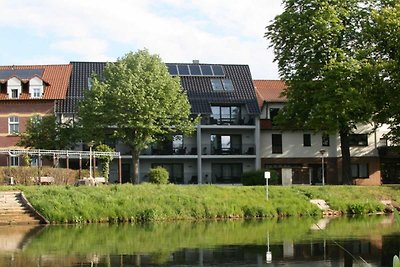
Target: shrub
257 178
158 175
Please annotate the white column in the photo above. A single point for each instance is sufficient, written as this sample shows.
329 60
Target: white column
199 151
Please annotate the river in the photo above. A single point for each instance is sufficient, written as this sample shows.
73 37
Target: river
358 241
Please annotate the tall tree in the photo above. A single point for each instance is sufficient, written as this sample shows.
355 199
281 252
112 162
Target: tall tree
48 133
323 56
138 101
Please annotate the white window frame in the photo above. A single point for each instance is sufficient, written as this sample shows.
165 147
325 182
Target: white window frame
13 121
14 161
13 90
36 92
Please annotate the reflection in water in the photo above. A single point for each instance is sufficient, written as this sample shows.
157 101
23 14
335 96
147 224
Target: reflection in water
291 242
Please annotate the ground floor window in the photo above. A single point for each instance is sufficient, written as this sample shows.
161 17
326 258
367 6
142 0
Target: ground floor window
359 170
175 171
227 173
14 161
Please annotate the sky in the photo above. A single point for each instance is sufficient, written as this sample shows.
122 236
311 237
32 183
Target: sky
212 31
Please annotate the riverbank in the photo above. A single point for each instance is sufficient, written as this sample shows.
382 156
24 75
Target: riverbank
146 202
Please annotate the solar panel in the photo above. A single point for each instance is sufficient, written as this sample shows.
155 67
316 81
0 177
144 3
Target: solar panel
195 70
172 69
206 70
21 73
183 70
218 71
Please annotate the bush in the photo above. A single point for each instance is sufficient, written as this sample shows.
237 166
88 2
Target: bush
257 178
158 175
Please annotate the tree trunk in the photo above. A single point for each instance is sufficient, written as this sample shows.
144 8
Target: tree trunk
346 161
135 164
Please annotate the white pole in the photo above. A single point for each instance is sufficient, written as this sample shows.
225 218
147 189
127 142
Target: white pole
267 175
90 161
323 170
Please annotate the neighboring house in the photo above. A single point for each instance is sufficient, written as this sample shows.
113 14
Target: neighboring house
27 92
225 143
297 155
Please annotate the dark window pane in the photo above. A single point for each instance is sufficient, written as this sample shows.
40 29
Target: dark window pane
276 143
218 70
206 70
273 112
358 140
307 139
183 70
195 70
325 140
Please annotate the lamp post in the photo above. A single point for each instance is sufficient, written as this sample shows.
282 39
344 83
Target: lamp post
90 144
322 151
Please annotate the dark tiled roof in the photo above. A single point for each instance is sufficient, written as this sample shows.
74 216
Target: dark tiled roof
81 71
199 88
56 78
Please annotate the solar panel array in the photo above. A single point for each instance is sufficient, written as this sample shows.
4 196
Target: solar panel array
21 73
195 70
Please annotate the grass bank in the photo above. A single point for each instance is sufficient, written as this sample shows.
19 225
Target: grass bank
146 202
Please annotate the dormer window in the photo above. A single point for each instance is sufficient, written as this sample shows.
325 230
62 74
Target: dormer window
36 87
14 93
14 88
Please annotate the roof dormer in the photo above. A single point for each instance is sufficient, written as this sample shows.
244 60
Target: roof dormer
14 88
36 87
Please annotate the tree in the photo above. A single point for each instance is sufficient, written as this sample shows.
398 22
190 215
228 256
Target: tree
138 101
48 133
385 31
323 56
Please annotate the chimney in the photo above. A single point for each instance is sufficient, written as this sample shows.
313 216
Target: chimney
196 61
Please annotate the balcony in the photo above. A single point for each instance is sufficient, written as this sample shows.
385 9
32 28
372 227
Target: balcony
244 120
245 149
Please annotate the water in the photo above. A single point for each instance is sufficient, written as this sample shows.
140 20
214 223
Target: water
362 241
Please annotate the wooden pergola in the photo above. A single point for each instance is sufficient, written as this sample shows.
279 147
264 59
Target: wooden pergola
64 154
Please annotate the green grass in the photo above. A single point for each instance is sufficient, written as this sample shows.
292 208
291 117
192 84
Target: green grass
146 202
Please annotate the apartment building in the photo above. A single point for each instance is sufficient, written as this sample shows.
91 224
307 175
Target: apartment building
27 92
225 143
307 157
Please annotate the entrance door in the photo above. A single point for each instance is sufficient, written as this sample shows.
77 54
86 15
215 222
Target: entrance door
316 173
126 173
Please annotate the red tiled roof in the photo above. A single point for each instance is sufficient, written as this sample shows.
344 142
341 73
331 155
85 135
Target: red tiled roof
269 91
56 78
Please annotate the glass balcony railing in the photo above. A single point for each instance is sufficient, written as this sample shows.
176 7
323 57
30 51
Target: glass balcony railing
244 120
244 149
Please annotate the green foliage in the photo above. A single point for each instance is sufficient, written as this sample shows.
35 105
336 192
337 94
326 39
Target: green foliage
158 175
48 133
325 56
140 99
257 178
105 160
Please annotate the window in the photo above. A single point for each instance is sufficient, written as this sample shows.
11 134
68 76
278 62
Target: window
226 144
36 119
36 93
13 125
325 140
358 140
14 93
226 173
217 84
89 83
222 84
359 170
306 139
14 161
228 85
276 143
225 114
273 112
177 144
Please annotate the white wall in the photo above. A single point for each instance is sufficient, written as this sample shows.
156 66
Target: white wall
292 145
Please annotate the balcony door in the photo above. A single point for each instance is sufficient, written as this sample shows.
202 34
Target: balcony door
226 144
